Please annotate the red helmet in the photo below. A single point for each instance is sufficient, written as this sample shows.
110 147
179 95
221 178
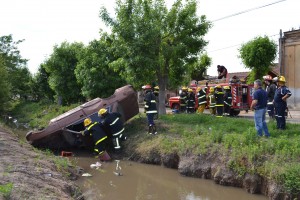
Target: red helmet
147 87
267 78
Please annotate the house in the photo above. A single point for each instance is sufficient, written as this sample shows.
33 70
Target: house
289 63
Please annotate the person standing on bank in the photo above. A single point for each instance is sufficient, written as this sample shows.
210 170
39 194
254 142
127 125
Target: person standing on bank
150 108
259 104
281 95
270 88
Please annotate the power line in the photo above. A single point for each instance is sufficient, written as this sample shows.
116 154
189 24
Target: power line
245 11
235 45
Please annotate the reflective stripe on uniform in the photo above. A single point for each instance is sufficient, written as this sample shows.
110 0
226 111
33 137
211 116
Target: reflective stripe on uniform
101 140
118 132
153 101
152 111
114 121
270 103
91 125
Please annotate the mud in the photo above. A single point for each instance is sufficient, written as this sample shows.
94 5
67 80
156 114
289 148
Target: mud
32 174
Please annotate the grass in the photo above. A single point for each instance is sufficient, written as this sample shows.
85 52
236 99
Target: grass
276 158
6 189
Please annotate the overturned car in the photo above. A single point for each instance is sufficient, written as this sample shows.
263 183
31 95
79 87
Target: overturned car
63 131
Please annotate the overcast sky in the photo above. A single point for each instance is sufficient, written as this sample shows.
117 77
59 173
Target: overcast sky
44 23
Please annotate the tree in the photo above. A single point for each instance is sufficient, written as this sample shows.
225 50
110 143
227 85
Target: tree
198 68
18 73
60 66
4 86
40 87
156 44
258 55
93 72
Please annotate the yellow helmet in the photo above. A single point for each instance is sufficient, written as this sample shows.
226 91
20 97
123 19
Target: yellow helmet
218 86
226 87
281 79
184 88
102 111
198 89
87 121
211 89
190 90
156 88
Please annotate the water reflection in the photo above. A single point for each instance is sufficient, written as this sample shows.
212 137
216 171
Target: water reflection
142 182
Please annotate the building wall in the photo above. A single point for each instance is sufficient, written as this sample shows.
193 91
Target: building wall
290 65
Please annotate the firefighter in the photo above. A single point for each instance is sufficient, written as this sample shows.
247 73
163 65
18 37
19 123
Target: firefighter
281 95
212 101
219 96
270 89
183 99
190 101
99 137
222 71
113 124
227 100
150 108
201 95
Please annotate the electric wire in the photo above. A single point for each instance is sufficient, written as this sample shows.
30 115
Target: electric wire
248 10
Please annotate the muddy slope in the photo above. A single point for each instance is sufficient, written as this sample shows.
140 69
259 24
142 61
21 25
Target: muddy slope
32 175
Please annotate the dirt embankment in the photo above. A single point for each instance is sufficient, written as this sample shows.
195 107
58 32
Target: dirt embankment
210 166
29 174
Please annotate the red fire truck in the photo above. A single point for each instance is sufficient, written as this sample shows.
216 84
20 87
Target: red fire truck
241 96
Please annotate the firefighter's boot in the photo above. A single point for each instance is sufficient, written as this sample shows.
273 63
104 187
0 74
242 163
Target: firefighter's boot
154 130
150 129
104 156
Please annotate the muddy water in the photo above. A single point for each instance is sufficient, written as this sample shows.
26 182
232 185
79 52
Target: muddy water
150 182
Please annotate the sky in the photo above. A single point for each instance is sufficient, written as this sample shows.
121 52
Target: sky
45 23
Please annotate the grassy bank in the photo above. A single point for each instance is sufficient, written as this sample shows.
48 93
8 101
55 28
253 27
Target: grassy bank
276 158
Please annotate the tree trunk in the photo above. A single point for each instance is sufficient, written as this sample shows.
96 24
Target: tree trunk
162 83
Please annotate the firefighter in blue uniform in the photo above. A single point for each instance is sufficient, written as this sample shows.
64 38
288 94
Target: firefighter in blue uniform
190 101
270 89
150 108
219 96
281 95
99 137
113 124
227 100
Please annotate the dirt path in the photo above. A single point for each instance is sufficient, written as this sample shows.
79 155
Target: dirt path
26 173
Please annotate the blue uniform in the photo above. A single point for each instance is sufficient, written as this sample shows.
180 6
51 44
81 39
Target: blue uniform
281 105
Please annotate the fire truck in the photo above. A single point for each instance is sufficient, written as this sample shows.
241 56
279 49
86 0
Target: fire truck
241 95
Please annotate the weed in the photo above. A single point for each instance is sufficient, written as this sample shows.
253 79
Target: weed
6 189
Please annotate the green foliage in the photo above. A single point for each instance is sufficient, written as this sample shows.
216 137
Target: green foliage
152 43
6 189
257 55
93 72
291 178
4 87
197 69
60 66
38 114
40 87
18 73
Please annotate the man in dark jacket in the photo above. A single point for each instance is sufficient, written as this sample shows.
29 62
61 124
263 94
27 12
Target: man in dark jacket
222 72
281 95
270 89
227 100
99 137
190 101
219 96
113 124
150 108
